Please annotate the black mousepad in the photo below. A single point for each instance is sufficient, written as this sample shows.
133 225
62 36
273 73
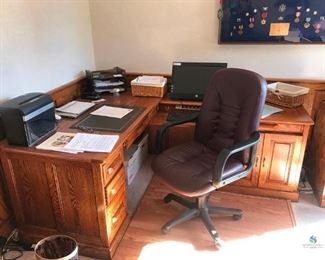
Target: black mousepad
113 124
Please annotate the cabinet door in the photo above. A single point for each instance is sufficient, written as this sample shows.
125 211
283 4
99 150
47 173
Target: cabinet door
29 192
280 166
251 180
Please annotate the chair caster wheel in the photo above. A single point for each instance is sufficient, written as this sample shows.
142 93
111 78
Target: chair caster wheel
218 243
165 230
167 198
237 216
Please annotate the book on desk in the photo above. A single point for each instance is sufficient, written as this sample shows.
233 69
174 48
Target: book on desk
74 108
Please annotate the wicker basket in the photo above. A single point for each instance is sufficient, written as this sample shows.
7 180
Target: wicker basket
286 95
285 101
149 86
148 91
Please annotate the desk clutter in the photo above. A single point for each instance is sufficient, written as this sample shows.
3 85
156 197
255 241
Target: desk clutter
78 143
106 81
74 108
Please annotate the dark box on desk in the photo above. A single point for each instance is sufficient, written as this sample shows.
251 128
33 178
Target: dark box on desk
28 118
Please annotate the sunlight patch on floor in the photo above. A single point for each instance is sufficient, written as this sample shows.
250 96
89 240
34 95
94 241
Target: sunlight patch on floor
305 242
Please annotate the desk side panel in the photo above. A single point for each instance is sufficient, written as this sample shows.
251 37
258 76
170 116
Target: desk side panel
56 196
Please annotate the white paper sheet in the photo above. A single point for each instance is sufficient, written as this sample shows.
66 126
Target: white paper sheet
269 110
109 111
57 142
92 142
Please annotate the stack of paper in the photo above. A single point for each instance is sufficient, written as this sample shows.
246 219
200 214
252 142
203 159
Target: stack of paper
92 143
80 142
74 108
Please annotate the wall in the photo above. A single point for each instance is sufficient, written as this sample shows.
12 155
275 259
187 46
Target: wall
44 44
147 36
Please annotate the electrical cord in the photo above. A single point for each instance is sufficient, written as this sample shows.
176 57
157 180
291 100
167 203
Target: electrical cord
9 253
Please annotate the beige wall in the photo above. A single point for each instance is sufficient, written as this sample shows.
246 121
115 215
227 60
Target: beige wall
147 36
43 44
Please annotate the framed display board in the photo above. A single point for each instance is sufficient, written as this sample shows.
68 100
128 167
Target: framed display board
272 21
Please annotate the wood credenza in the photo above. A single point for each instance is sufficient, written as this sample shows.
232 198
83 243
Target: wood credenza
80 195
280 152
316 160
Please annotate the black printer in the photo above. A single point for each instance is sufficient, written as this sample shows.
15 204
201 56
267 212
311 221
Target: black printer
28 118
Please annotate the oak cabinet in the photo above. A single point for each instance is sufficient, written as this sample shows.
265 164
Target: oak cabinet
68 197
280 162
6 218
316 160
277 163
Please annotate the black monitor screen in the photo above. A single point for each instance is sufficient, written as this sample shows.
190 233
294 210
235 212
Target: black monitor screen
190 79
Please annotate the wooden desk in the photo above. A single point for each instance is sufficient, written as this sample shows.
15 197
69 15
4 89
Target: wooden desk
79 195
279 157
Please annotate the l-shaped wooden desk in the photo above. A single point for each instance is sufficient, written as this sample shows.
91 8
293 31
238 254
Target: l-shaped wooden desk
84 195
81 195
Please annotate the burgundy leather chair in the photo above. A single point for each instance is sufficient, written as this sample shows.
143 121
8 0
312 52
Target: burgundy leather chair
223 149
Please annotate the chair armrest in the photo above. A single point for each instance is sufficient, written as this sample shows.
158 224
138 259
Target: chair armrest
224 155
162 129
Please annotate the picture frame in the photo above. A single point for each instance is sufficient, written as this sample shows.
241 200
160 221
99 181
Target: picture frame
272 22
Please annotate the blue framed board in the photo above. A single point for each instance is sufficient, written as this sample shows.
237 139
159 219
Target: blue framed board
275 21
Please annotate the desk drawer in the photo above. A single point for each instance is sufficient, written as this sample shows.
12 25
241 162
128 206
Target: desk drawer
139 129
116 213
111 168
275 127
115 186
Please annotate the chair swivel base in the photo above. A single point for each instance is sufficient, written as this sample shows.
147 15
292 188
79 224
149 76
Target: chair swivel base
199 208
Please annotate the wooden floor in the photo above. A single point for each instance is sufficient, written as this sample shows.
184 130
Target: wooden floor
190 240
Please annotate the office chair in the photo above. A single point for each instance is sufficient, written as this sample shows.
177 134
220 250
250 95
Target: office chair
223 149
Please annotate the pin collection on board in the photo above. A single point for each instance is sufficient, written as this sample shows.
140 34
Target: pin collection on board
278 21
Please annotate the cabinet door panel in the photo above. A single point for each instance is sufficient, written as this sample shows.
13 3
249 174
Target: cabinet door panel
73 195
251 180
31 193
280 168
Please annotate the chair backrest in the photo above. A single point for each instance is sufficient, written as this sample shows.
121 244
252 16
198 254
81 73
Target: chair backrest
231 109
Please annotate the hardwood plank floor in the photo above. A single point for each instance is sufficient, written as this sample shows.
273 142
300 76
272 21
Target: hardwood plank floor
190 240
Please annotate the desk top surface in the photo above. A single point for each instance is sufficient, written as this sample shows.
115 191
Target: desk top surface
296 116
64 125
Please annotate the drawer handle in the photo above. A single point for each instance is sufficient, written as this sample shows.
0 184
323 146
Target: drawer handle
264 159
113 191
110 170
114 219
256 161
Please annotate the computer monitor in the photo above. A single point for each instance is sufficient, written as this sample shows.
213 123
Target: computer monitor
190 79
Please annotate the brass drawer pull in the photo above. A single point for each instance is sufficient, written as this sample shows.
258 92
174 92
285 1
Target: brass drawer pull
113 191
110 170
256 161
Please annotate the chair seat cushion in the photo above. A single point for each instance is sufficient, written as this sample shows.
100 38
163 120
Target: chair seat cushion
187 168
